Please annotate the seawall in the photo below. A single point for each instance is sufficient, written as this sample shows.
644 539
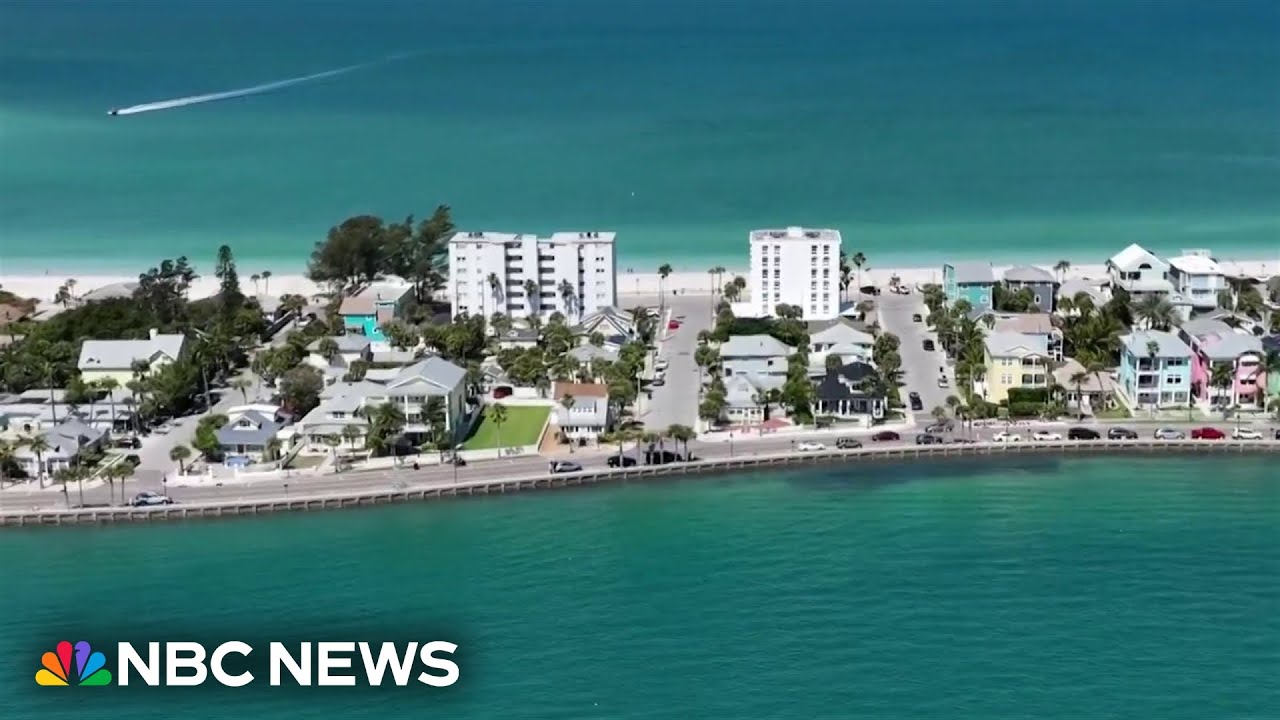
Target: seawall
505 485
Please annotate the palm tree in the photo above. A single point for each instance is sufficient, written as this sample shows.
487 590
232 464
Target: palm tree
333 441
351 433
385 425
858 261
6 457
1157 312
495 289
108 386
242 385
939 413
567 298
121 471
38 445
681 434
266 282
255 278
532 298
294 304
1222 377
1078 379
664 271
179 454
498 416
328 349
567 403
62 477
1061 268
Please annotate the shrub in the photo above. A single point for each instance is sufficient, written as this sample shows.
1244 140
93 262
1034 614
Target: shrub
1028 395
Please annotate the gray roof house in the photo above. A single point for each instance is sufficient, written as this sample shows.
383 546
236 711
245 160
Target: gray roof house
1168 345
247 433
119 355
608 321
590 353
1041 283
1015 344
757 355
113 291
823 336
65 441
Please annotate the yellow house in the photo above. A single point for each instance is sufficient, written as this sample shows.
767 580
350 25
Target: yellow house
101 359
1014 360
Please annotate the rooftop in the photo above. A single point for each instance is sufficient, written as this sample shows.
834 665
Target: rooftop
1167 344
366 301
1196 265
1095 383
795 233
121 354
579 390
1134 257
1015 344
754 346
972 273
589 236
1028 274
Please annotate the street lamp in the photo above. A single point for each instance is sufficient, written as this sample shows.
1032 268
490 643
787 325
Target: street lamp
731 444
286 491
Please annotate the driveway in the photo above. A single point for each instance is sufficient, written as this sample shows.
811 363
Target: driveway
919 366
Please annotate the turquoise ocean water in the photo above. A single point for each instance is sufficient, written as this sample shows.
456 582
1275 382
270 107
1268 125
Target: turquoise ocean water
1043 588
923 129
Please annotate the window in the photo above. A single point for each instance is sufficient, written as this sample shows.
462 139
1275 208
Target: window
813 250
1006 379
826 272
813 272
813 297
1172 380
813 285
777 274
826 249
777 249
826 284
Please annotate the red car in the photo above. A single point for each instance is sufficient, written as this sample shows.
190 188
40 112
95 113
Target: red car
1207 433
673 325
885 436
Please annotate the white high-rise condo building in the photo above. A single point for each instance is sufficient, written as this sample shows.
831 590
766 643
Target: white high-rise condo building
522 275
796 266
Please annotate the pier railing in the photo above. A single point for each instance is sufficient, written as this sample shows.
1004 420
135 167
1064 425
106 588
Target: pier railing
362 497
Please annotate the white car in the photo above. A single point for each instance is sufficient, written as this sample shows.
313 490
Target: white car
1005 437
810 447
143 499
943 382
1245 434
1045 435
661 364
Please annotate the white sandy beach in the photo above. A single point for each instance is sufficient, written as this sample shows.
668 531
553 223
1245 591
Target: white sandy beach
45 287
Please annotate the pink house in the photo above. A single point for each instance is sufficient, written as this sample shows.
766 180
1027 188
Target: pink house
1214 343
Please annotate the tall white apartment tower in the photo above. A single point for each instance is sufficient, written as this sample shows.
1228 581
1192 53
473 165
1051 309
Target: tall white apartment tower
796 266
571 272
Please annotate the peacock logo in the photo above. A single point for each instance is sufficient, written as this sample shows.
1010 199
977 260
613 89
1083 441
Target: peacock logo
90 666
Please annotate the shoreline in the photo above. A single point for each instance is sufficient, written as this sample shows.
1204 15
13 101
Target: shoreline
699 468
43 287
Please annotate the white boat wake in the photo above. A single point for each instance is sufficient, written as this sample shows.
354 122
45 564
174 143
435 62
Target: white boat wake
213 97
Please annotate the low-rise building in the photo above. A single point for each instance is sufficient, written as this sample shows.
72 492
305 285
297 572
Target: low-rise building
100 359
845 393
973 282
1096 390
1035 324
65 442
1013 360
1196 276
755 355
1075 289
373 307
1155 370
1042 284
840 338
1138 271
587 416
247 435
747 399
345 349
609 321
1215 344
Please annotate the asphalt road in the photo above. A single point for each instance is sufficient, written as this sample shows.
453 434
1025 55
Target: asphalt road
301 484
676 401
919 366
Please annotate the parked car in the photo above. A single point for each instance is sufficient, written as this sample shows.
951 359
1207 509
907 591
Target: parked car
928 345
1006 437
914 399
144 499
662 457
810 446
1116 433
1245 434
133 460
961 441
943 382
1207 433
128 441
662 364
1278 434
938 427
885 436
454 459
620 461
1169 434
848 443
658 381
673 325
917 318
564 466
1046 436
1079 433
928 439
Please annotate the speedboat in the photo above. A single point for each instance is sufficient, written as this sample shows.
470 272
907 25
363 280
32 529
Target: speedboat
114 112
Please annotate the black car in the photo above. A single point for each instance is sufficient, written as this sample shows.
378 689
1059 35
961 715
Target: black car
1121 434
847 443
916 318
927 439
928 345
620 461
885 436
916 403
133 460
564 466
938 427
661 457
454 460
1079 433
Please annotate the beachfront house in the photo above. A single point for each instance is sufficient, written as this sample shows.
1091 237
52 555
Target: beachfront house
572 273
1034 324
587 415
1196 276
1138 271
345 350
374 306
970 281
66 441
1042 284
1013 360
1215 344
839 338
1155 370
1075 290
1096 391
100 359
761 356
844 393
746 398
795 266
247 435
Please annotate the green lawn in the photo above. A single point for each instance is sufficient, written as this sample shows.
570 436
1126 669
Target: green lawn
522 427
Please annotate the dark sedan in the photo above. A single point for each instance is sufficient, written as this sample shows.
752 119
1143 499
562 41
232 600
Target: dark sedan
1121 434
1079 433
885 436
927 439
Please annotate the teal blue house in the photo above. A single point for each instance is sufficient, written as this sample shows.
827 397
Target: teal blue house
971 281
367 311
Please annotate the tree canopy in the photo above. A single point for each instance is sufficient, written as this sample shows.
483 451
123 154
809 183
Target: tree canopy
363 248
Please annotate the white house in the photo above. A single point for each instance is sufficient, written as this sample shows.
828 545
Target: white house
101 359
757 355
572 273
1138 271
351 347
795 266
588 416
1197 277
841 339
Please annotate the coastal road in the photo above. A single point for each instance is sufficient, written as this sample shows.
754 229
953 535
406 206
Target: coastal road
302 484
919 366
676 401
